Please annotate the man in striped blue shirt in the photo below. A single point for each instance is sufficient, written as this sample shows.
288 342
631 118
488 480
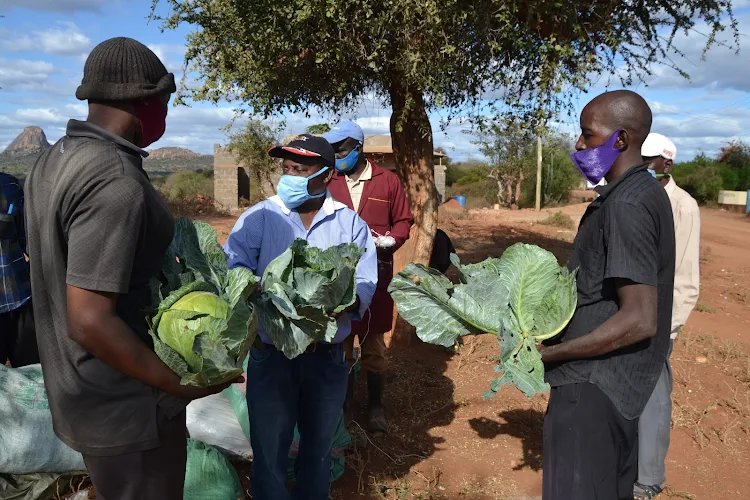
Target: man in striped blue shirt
308 390
17 336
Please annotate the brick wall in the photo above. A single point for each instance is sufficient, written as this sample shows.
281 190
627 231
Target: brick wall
230 179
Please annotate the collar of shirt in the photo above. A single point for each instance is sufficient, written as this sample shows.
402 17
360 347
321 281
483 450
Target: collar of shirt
364 175
670 187
77 128
607 189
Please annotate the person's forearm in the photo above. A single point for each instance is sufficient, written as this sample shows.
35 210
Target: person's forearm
109 339
621 330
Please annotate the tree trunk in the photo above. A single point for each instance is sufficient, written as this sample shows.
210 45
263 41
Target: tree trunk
518 189
411 137
509 188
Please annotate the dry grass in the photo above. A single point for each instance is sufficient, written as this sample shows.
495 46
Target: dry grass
704 308
559 219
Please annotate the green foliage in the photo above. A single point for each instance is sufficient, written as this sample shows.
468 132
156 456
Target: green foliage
701 178
189 183
318 129
201 323
735 166
478 195
559 175
471 168
302 289
251 146
523 297
470 178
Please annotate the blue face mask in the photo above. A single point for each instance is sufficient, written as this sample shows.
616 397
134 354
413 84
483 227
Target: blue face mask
292 189
348 163
652 172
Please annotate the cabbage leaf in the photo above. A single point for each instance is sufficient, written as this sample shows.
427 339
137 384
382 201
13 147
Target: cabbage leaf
523 297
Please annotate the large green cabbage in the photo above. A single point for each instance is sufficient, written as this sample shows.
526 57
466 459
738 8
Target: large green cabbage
203 324
302 288
523 297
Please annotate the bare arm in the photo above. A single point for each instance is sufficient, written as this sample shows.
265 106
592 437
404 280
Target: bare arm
93 323
633 323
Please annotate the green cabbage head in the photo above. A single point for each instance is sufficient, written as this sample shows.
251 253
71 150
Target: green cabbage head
194 313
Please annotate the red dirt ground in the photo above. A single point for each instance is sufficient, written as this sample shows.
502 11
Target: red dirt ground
448 443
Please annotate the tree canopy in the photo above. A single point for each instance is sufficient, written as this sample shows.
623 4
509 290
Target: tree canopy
274 55
318 128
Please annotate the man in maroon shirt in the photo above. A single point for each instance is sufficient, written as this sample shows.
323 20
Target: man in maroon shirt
377 196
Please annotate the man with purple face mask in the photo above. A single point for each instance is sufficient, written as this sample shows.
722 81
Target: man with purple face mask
605 364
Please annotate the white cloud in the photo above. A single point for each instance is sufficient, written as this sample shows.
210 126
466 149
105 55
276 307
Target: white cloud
67 40
722 68
372 125
22 74
660 108
172 55
62 6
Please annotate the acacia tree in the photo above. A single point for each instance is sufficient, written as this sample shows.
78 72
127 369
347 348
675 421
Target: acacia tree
527 56
250 145
508 145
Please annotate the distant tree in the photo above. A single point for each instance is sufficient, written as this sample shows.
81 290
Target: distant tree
736 156
318 129
701 177
508 145
251 146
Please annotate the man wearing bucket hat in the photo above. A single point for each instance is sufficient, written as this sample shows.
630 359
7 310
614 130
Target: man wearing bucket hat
655 422
308 390
97 234
377 196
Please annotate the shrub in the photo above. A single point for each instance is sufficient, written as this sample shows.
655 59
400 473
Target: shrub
701 178
193 206
478 195
559 219
189 183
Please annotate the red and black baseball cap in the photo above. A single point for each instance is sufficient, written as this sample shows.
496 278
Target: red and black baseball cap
309 147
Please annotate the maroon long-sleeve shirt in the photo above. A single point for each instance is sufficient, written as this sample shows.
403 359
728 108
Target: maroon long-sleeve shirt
385 209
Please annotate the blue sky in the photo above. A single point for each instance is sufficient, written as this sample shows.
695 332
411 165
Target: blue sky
44 43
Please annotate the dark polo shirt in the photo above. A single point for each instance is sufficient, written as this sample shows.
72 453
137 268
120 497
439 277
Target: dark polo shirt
627 232
95 222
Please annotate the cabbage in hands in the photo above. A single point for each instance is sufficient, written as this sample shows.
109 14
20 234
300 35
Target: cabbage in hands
524 297
302 289
203 326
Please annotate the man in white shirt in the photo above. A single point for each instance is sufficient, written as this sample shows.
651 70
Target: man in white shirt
654 425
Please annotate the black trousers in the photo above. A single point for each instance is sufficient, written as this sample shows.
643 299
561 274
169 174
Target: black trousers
590 449
18 337
157 474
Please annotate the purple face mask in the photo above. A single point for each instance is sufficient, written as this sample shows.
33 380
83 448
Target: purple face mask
594 163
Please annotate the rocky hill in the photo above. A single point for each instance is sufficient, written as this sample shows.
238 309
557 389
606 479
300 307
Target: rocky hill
29 142
171 153
21 154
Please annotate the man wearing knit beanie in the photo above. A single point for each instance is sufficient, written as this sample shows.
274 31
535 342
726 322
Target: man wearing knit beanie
97 234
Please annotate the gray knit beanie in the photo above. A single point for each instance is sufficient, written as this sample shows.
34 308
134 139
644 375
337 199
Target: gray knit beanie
123 69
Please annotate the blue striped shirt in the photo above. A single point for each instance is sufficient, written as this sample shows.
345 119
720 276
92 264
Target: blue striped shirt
266 230
15 283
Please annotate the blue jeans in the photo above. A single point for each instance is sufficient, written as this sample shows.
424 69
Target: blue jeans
308 391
